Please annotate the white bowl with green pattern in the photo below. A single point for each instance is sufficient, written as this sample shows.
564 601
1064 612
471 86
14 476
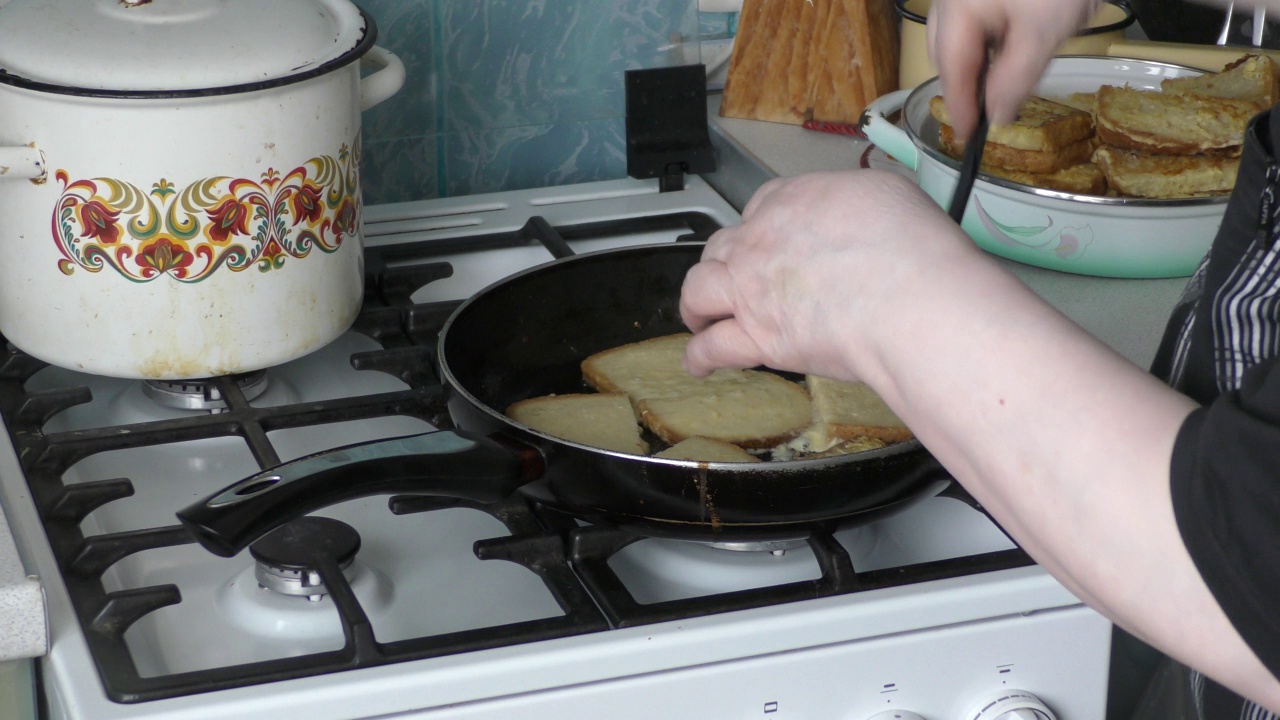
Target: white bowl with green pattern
1105 236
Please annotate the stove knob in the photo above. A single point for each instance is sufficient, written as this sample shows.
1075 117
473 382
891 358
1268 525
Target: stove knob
895 715
1011 705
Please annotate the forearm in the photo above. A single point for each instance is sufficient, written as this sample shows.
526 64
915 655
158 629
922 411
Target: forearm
1065 442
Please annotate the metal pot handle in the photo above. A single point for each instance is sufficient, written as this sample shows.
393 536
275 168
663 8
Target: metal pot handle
385 82
21 163
886 135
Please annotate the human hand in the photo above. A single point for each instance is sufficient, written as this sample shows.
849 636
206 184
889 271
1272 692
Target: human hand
815 274
1024 35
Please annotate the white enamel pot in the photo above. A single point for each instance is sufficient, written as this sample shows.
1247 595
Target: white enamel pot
1089 235
180 180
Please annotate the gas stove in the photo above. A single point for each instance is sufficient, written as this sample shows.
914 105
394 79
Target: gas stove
438 608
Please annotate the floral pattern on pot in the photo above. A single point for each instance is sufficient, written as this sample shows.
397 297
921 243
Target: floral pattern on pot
217 222
1068 243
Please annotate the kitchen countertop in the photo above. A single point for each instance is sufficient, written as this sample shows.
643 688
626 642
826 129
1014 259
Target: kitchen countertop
1128 315
23 631
17 690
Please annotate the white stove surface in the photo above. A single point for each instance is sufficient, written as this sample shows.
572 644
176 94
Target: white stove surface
934 648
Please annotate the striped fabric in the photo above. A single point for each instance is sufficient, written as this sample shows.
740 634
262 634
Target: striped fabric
1244 313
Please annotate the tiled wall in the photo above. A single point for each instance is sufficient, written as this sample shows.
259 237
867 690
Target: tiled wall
507 94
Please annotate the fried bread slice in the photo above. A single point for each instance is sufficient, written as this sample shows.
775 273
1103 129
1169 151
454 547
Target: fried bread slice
852 410
757 410
1085 101
642 369
1166 176
1083 179
603 420
1254 78
995 155
1171 123
749 408
707 450
1042 125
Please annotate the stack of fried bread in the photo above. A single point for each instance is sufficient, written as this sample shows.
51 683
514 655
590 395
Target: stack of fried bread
1183 140
728 416
1049 146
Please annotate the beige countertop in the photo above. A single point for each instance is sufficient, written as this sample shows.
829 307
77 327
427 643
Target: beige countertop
1128 315
23 631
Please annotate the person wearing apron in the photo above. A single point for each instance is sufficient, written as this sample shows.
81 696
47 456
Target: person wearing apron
1222 348
1152 494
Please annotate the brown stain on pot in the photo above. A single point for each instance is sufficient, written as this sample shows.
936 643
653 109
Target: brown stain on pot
175 368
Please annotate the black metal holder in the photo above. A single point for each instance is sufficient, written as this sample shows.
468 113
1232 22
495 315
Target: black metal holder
667 133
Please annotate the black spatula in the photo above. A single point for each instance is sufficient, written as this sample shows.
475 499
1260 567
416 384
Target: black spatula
970 162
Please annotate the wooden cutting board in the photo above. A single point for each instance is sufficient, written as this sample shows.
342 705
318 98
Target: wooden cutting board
798 60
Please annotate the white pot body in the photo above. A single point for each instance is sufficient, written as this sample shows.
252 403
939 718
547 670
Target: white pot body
1086 235
186 237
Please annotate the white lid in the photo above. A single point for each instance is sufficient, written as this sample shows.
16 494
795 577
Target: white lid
175 46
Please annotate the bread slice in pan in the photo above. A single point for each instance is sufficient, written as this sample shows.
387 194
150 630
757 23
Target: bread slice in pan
707 450
1039 162
851 410
1042 125
748 408
1254 78
603 420
1170 123
1166 176
651 368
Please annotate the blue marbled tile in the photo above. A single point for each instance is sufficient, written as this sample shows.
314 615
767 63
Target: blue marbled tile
406 28
517 63
518 93
400 170
535 156
716 25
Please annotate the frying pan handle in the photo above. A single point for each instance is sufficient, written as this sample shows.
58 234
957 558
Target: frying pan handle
446 463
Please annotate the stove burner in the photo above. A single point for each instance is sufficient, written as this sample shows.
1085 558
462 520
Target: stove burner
286 557
202 394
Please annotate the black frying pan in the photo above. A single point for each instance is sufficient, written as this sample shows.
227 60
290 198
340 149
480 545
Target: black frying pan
526 336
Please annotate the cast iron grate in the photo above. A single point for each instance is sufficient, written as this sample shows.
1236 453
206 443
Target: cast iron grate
407 333
590 548
572 561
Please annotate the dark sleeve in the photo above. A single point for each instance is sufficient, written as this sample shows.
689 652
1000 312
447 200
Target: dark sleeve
1226 499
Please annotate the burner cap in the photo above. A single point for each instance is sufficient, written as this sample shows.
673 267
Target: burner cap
287 556
202 394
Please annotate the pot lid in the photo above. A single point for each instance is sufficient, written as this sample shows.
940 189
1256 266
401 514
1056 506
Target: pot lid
175 47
